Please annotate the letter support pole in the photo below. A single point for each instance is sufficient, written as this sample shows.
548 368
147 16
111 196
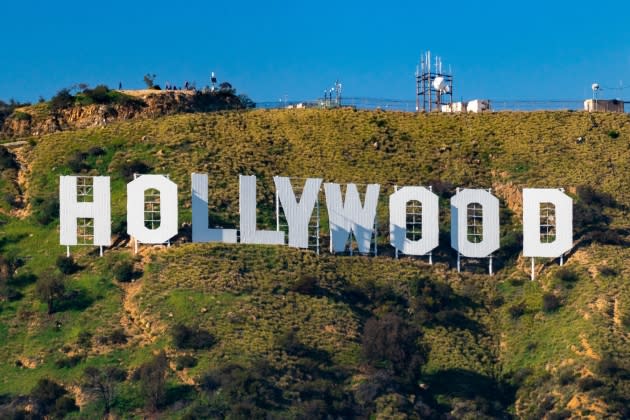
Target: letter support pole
533 270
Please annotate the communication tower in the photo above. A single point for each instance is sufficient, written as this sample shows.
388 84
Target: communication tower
434 87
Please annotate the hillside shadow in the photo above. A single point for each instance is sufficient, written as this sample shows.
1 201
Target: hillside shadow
467 384
11 239
22 280
74 300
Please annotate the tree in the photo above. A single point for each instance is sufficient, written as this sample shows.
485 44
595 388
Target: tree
246 102
392 343
49 288
226 87
51 399
62 99
152 380
102 383
148 80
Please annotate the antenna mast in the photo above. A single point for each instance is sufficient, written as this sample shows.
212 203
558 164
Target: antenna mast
434 87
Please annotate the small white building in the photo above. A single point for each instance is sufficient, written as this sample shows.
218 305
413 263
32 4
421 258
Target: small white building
454 107
478 105
604 105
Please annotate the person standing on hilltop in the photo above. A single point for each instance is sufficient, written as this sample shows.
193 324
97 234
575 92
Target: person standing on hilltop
186 85
119 85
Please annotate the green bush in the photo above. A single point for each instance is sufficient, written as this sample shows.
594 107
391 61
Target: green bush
517 310
51 399
191 338
98 95
306 285
118 336
566 376
22 116
152 380
613 134
50 288
62 100
84 340
550 302
77 162
64 406
67 265
124 271
46 209
68 362
589 383
185 361
566 274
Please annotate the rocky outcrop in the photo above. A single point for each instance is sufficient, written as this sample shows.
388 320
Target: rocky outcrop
147 104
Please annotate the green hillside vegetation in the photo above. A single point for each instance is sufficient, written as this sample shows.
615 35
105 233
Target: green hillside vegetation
216 330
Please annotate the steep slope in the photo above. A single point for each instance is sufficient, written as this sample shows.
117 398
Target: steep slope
296 326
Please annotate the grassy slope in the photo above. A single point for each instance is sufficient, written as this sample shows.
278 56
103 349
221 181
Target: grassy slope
244 297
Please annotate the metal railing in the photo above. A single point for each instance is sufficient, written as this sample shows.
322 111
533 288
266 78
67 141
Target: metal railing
409 105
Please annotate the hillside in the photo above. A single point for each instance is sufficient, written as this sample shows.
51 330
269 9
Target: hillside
249 330
100 106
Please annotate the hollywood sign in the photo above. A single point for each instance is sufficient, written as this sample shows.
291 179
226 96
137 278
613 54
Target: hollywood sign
347 215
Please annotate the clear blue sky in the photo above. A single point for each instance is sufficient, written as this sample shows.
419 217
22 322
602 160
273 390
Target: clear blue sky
498 50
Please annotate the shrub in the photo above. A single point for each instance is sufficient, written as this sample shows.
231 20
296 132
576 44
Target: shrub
589 383
98 95
68 362
290 343
22 116
550 302
152 380
559 415
566 274
96 151
608 271
566 376
46 209
451 317
189 338
608 366
185 361
84 340
135 166
608 237
391 341
77 162
517 310
118 336
64 406
7 159
306 285
613 134
46 393
50 288
519 377
102 382
62 99
66 264
149 80
123 271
